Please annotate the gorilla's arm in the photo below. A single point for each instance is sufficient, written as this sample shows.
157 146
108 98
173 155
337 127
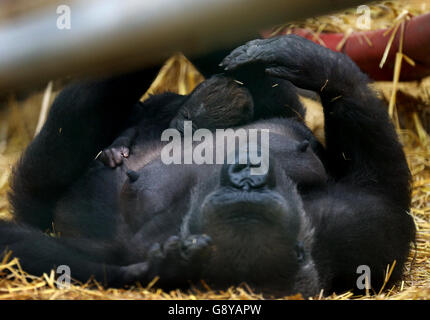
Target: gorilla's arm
362 218
273 97
362 145
154 114
84 119
105 262
38 253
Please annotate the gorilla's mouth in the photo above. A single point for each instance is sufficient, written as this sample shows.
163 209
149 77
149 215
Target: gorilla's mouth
243 225
232 206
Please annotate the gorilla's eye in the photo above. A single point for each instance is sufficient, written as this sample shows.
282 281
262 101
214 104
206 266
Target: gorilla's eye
300 251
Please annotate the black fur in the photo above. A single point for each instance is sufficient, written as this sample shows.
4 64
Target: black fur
306 225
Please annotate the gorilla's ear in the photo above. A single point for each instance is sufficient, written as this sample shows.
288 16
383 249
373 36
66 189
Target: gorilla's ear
303 146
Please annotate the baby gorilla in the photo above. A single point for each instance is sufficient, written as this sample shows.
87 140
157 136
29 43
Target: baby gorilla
218 102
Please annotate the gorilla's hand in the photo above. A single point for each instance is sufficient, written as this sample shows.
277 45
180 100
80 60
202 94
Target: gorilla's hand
303 62
175 262
113 156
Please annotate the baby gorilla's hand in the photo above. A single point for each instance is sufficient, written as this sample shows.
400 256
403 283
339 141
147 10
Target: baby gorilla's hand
113 156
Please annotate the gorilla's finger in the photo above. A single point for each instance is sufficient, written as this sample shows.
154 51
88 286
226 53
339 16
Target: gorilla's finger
135 272
257 51
117 156
106 158
109 158
196 246
155 251
125 152
229 61
279 72
172 246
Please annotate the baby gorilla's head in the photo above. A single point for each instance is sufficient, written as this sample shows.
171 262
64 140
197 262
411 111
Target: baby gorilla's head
218 102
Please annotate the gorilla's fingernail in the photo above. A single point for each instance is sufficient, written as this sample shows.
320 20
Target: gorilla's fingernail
303 146
132 175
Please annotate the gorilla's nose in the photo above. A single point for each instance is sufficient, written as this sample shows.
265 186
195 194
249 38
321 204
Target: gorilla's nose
240 176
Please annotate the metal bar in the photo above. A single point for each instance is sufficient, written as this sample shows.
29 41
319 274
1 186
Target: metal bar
115 35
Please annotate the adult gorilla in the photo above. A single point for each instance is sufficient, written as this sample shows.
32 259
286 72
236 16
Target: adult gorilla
306 225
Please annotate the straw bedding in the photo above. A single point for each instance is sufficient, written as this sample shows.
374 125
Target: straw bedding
19 122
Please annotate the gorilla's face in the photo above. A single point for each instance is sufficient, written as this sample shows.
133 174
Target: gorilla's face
260 232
